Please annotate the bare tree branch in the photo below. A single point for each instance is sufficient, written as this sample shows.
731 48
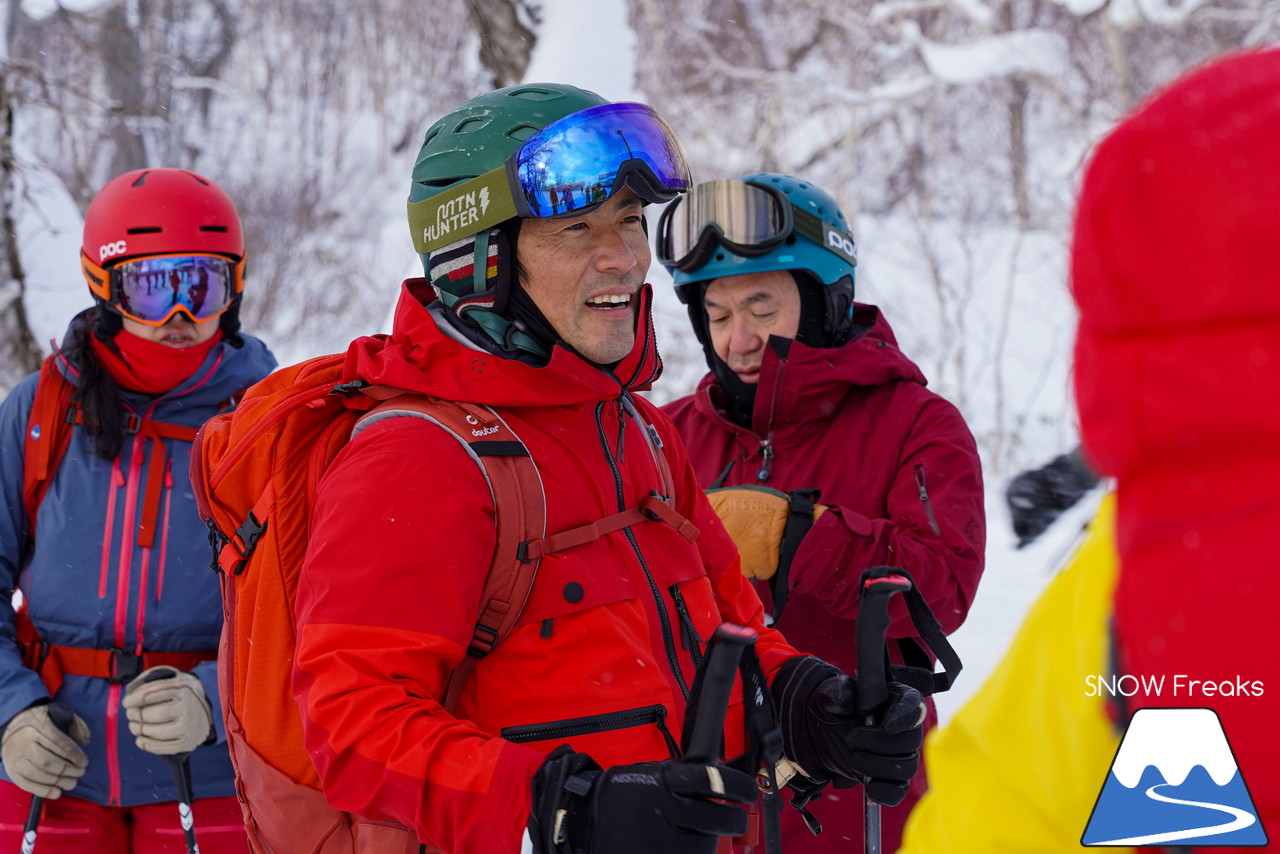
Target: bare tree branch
506 44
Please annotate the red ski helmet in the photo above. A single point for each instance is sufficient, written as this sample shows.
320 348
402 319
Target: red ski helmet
158 212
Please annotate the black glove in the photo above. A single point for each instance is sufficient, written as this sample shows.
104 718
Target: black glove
824 736
668 807
1038 497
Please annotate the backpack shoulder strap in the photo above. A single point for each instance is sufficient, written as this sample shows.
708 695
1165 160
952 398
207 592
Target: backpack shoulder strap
47 439
520 502
654 442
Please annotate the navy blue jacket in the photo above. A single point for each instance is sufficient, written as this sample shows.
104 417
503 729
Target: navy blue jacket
89 584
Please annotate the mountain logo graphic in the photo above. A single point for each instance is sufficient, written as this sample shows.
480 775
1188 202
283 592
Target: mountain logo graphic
1174 780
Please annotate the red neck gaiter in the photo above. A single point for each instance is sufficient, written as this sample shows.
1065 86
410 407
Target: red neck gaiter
149 366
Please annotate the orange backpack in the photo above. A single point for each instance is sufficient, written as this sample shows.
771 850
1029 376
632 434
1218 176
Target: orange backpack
255 472
47 439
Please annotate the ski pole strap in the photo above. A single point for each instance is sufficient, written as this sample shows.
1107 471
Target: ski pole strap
764 745
703 731
799 521
731 653
917 670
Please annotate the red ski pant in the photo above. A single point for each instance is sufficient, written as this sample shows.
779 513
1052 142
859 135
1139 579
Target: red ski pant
73 825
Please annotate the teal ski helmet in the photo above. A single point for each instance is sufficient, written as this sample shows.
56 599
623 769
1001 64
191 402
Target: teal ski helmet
756 224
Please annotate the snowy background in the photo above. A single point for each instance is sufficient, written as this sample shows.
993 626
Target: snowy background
952 132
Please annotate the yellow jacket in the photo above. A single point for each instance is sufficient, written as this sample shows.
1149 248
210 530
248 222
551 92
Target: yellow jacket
1019 768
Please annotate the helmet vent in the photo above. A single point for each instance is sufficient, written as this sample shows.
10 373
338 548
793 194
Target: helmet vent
471 125
220 228
144 229
141 180
522 132
535 94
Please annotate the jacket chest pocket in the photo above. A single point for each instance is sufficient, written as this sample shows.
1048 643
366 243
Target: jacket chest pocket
589 578
609 722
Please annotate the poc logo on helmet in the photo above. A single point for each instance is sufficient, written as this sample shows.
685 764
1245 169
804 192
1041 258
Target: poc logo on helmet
110 250
843 245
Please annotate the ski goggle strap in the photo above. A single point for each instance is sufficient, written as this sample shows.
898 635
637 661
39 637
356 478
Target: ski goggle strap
747 219
572 164
153 289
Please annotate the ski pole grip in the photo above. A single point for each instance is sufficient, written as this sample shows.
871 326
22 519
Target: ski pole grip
61 715
879 584
156 674
720 670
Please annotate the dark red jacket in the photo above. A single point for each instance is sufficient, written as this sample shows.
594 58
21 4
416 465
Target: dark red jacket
403 534
899 469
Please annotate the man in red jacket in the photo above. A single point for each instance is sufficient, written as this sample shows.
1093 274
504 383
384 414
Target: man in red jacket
823 451
527 207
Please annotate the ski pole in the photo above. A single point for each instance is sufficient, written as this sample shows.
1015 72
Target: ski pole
712 688
61 716
181 765
729 653
879 584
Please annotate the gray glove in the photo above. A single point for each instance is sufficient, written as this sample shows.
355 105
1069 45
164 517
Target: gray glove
39 757
168 711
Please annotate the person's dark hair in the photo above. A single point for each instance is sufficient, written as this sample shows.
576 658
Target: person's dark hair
229 323
97 395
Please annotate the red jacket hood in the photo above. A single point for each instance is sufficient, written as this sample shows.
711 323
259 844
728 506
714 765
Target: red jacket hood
813 380
460 371
1175 266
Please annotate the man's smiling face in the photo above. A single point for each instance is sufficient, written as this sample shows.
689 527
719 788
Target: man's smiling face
583 272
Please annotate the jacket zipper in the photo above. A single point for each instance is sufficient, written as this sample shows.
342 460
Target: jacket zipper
117 481
766 465
766 444
924 499
593 724
124 569
668 641
164 531
689 634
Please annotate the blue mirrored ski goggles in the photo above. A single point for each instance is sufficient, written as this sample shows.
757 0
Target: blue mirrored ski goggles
569 166
152 290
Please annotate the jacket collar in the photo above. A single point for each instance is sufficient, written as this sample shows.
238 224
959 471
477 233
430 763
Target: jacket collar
809 381
420 356
225 372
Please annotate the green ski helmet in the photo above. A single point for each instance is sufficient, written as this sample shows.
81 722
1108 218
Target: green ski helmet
730 228
525 151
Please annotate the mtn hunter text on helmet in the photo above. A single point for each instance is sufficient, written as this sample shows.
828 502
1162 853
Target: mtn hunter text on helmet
457 213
